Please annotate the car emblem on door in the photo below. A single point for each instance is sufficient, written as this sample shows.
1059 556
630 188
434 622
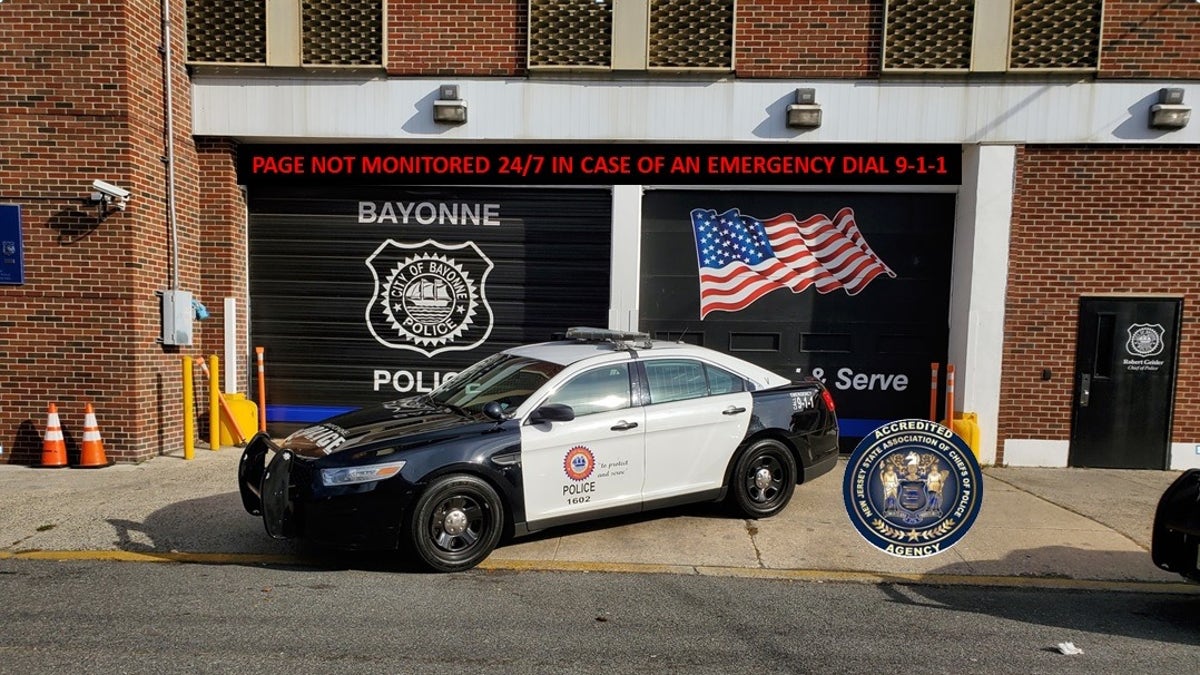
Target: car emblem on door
429 297
579 463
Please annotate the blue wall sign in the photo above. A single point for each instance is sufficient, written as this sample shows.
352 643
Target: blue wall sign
12 260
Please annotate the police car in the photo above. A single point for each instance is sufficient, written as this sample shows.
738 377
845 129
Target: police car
1175 539
599 424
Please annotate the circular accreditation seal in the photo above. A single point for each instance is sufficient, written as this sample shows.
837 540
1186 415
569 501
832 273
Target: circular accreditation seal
579 463
912 488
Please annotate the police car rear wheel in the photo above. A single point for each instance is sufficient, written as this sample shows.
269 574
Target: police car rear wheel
763 479
457 523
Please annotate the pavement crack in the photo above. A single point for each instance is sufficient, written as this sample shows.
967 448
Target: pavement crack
752 530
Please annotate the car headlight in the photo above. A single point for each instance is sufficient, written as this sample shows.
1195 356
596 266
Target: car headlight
348 475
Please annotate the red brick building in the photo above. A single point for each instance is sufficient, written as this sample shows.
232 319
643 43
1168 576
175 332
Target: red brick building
1064 216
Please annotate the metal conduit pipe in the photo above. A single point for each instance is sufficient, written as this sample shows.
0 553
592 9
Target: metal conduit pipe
169 160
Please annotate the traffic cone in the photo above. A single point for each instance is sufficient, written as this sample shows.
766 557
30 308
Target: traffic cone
91 455
54 450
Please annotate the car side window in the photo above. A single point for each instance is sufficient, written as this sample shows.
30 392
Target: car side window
682 379
597 390
723 381
675 380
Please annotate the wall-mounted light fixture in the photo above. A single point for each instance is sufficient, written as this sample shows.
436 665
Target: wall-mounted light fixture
108 195
449 108
805 113
1169 112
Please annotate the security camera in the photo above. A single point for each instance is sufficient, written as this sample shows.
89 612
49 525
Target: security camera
109 193
110 189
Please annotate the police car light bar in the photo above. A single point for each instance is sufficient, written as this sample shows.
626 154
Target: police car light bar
617 337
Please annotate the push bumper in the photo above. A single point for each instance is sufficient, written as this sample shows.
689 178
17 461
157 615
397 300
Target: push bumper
286 492
251 470
266 487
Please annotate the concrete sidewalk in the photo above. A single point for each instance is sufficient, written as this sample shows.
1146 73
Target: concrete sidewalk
1038 524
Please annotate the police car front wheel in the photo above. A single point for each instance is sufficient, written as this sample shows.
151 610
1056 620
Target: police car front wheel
457 523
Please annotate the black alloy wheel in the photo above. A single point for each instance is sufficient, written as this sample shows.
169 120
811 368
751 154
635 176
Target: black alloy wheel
763 479
457 523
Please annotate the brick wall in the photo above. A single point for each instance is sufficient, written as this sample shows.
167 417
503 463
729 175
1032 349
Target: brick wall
82 98
774 38
435 37
1151 38
223 254
820 38
1087 221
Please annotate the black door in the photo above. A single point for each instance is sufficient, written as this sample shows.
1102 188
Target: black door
871 345
465 272
1125 359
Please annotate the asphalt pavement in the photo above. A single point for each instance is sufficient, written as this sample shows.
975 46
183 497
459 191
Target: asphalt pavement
1037 527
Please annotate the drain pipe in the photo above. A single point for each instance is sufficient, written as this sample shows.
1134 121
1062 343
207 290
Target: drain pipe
169 160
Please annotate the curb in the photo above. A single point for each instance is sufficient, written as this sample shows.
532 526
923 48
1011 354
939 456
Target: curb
817 576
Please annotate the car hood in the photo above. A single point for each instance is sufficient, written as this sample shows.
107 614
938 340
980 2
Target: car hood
399 425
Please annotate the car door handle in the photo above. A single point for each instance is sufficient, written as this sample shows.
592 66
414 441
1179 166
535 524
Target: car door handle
733 410
624 426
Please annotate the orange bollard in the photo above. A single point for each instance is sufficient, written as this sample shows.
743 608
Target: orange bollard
262 392
933 386
54 449
91 455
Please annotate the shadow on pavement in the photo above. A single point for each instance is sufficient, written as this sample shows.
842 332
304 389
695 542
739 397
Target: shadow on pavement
1173 618
1049 562
219 524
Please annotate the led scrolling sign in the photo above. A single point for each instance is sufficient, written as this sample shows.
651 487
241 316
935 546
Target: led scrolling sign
605 163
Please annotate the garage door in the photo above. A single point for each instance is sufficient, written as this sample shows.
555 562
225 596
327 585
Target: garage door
370 293
851 287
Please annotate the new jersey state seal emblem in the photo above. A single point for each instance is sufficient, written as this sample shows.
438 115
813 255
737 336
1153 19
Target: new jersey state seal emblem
912 488
429 297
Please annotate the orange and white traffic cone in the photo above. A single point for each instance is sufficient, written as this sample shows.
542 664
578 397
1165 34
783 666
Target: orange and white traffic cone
54 449
91 455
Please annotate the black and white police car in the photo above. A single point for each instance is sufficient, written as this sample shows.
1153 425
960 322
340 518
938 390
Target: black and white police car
599 424
1175 538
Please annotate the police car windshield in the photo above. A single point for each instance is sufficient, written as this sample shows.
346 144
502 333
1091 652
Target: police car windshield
507 380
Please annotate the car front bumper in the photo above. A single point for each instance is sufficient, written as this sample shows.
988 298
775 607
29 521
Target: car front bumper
1175 544
286 490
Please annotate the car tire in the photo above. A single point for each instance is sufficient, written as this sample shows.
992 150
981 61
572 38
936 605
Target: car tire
456 523
764 479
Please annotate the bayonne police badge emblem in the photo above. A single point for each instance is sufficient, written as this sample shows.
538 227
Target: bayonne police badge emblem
1145 339
912 488
429 297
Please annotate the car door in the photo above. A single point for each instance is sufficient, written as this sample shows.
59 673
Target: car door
593 463
696 417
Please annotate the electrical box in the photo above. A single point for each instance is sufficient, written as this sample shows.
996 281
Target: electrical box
177 316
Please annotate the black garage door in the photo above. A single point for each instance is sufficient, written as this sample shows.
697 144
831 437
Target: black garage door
370 293
851 287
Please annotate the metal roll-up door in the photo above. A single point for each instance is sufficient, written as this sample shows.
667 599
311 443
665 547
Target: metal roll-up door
870 336
371 293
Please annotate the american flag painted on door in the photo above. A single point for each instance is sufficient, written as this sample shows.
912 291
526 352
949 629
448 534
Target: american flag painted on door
742 258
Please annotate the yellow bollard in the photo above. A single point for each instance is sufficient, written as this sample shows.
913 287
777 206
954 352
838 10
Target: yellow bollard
214 405
189 422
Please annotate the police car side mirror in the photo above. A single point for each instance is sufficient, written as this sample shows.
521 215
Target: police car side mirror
494 410
552 412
